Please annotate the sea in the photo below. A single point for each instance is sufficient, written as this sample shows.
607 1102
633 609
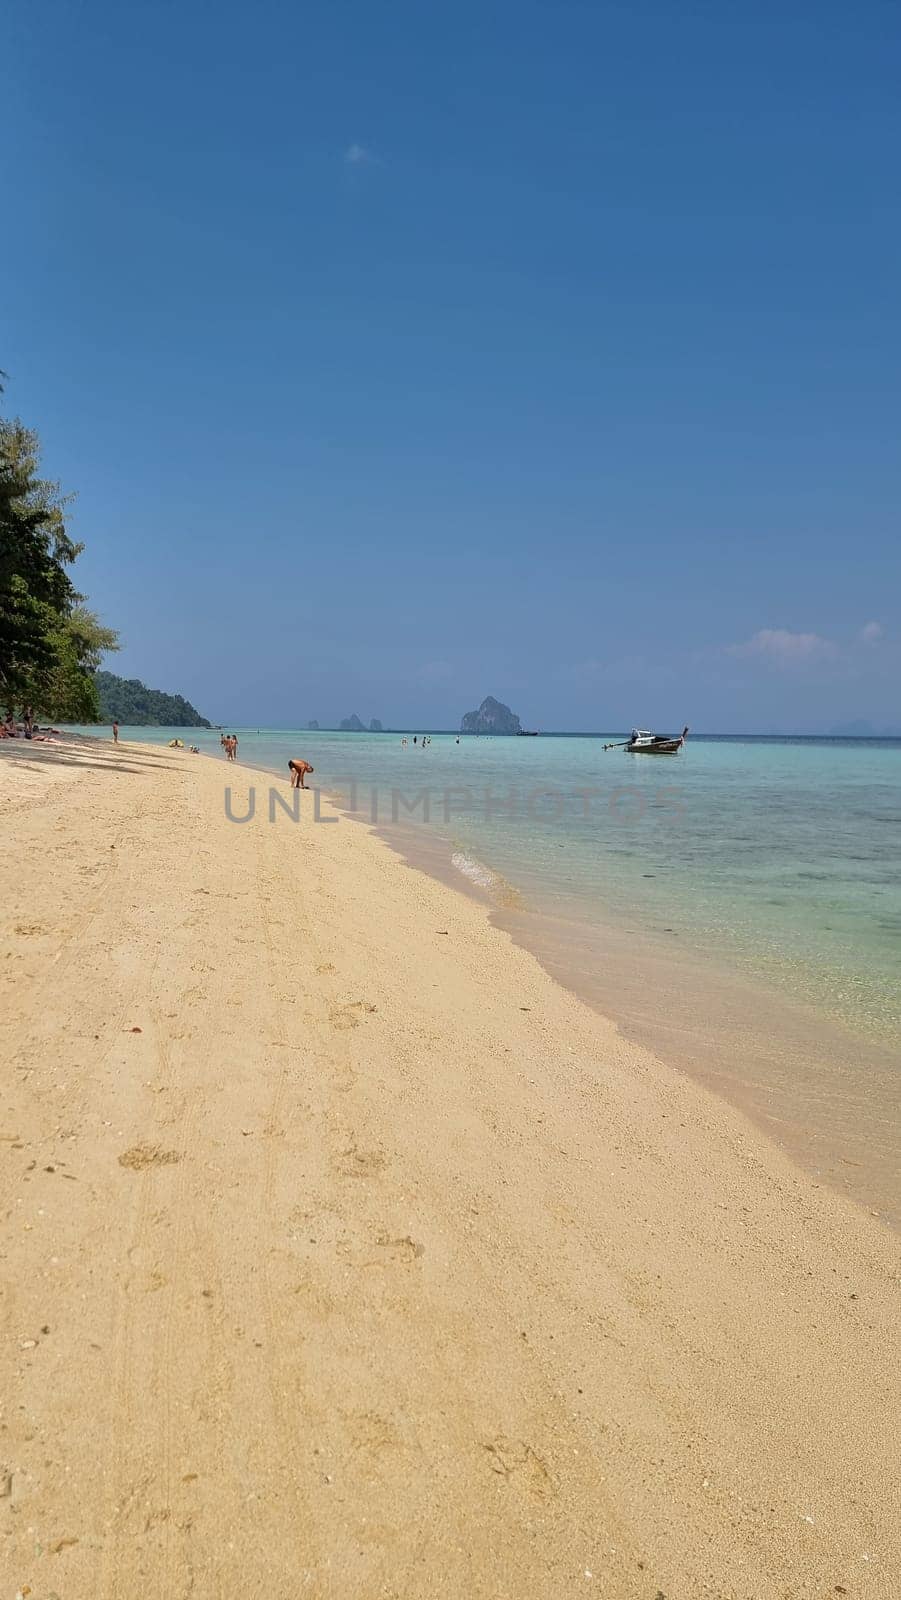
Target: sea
736 908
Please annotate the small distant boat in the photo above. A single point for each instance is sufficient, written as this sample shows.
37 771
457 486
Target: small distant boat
642 743
527 733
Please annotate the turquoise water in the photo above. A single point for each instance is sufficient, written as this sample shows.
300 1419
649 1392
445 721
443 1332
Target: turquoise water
780 857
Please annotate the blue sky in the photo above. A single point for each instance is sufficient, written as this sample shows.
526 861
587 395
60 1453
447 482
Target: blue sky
403 354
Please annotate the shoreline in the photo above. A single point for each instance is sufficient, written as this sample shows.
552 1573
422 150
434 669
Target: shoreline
795 1063
386 1265
807 1081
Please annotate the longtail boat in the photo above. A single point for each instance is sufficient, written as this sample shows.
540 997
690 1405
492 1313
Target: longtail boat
642 743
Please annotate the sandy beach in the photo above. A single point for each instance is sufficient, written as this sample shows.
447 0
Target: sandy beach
347 1254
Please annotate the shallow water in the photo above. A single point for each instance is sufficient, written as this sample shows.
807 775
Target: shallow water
776 862
782 857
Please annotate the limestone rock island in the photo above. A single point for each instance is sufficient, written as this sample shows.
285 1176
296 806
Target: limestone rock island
492 717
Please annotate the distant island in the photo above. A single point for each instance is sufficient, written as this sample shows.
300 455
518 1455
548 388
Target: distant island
313 727
355 724
375 726
492 717
129 701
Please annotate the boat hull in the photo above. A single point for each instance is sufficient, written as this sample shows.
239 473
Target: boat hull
666 747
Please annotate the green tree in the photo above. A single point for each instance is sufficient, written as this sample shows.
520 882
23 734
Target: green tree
49 643
68 692
129 700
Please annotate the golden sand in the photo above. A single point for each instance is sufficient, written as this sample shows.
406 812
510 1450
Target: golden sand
348 1255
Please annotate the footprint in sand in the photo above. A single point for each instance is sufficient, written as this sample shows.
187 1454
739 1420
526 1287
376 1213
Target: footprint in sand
371 1433
27 930
380 1251
405 1249
348 1016
514 1458
148 1155
326 967
363 1163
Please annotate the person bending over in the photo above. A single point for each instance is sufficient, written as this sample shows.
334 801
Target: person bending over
298 771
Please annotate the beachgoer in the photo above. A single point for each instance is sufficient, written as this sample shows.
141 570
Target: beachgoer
115 733
298 771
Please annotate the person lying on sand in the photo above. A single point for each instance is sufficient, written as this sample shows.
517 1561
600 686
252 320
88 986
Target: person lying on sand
298 771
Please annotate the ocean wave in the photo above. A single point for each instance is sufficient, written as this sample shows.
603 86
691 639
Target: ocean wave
475 870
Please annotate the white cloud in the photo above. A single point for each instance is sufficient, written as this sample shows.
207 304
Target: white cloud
357 155
590 671
782 648
434 672
619 669
871 632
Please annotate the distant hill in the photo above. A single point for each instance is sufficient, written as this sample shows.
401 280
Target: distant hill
492 717
375 726
129 701
352 725
313 726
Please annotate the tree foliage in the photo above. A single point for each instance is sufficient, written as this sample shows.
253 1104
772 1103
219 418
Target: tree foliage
79 645
129 701
50 644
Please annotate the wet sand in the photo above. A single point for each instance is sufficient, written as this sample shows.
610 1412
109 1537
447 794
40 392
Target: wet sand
827 1097
349 1254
